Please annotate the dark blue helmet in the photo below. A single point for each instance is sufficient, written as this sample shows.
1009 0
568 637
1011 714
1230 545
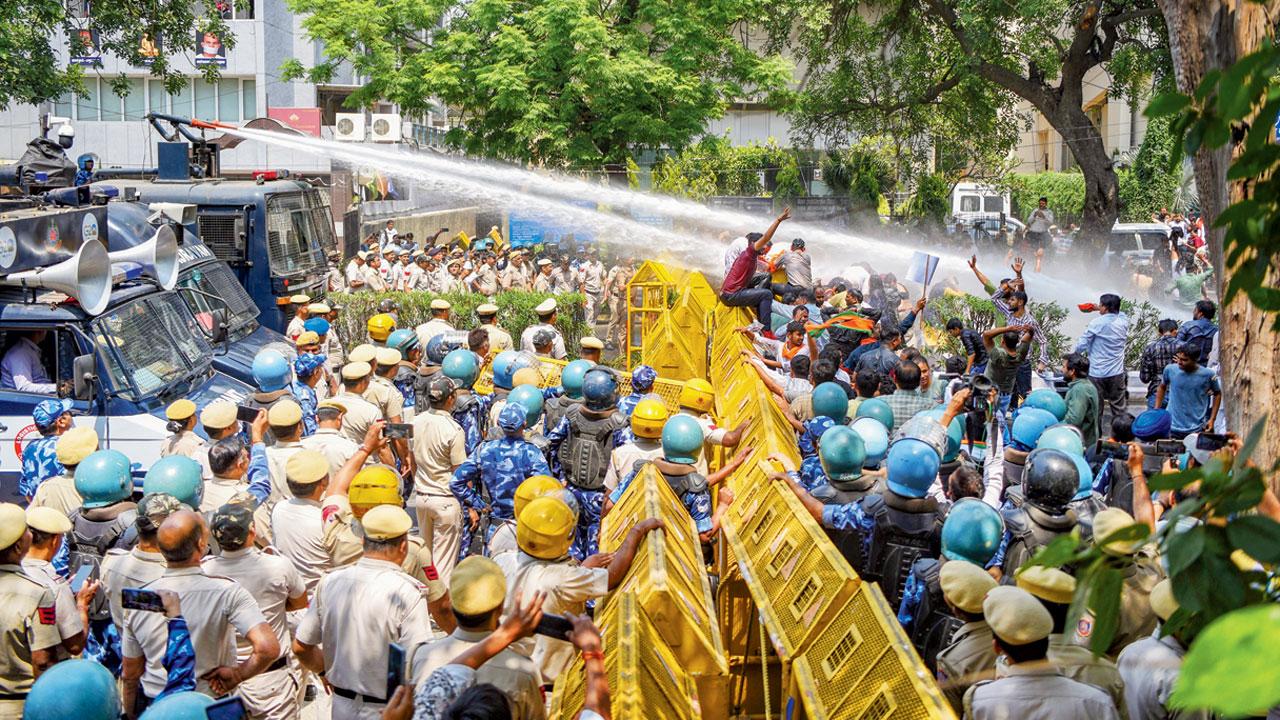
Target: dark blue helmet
600 388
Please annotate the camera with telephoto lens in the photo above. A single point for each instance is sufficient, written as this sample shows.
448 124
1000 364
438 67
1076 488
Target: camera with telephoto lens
979 388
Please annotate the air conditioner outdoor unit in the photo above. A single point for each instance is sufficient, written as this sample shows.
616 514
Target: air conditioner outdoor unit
349 127
385 127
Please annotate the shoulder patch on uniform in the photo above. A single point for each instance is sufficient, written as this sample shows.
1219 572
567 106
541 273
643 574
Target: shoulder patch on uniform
430 572
329 513
48 615
1084 626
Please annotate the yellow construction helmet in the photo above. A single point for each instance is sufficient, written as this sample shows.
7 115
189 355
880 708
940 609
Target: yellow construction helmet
648 417
373 486
535 487
545 529
527 376
698 394
380 326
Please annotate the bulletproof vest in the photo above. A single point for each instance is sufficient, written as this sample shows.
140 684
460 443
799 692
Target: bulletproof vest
843 492
406 381
906 529
88 543
1030 529
681 485
584 453
1085 508
1015 461
934 624
555 409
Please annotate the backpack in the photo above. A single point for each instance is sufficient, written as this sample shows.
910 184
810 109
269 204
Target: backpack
88 543
584 454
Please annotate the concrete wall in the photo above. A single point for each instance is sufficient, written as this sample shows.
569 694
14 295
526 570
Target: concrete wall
424 225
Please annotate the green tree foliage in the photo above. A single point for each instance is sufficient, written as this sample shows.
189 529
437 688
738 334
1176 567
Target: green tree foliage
1152 182
1239 105
558 82
714 166
515 312
932 200
951 70
31 30
1226 607
862 172
1065 191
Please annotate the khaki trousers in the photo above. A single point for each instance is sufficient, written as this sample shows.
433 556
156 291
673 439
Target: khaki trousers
440 527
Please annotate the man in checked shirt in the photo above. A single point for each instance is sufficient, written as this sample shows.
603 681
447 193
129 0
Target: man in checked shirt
1010 299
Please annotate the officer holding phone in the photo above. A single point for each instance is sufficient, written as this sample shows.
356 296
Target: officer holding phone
29 638
47 528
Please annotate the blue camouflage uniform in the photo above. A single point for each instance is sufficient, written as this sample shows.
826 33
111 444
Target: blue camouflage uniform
306 397
499 466
628 404
179 659
39 463
811 474
698 504
472 418
851 516
813 430
913 592
590 502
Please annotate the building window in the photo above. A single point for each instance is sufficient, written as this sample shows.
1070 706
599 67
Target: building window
249 94
78 8
87 104
135 103
157 99
206 99
228 100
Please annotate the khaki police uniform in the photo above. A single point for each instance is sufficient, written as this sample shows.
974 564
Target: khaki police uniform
624 458
568 587
336 447
299 536
357 611
557 345
1033 691
359 416
219 491
69 622
439 446
215 609
430 329
499 339
127 568
509 671
385 396
970 658
344 540
58 493
277 457
333 352
1077 663
272 581
486 280
1136 619
185 443
29 621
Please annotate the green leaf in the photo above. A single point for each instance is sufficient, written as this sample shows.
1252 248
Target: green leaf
1133 533
1208 84
1233 667
1184 548
1166 104
1104 601
1175 480
1057 553
1265 298
1257 535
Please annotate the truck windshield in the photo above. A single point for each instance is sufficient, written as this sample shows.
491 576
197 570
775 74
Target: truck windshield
296 233
151 343
216 279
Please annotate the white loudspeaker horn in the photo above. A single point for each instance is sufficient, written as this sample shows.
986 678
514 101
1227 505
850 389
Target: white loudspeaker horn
86 276
157 256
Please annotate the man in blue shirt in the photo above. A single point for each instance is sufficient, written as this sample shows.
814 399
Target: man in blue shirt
1103 341
39 462
1200 331
1189 387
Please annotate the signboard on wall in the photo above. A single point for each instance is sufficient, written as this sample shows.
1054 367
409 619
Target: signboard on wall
210 50
85 49
534 228
302 119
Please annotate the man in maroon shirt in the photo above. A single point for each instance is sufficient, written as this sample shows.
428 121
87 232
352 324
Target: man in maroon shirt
736 290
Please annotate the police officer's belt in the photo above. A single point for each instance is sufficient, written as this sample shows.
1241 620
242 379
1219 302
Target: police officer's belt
353 695
280 662
13 696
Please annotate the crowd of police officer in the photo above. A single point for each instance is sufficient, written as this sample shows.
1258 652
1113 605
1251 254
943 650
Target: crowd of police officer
374 495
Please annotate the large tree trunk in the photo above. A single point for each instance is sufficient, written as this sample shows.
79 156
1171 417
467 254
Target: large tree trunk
1101 186
1205 35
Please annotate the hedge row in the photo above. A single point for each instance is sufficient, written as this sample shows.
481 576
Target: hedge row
515 312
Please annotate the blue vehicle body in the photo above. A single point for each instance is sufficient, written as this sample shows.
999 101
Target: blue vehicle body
200 276
274 235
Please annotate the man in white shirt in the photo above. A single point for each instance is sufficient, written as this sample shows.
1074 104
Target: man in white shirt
22 369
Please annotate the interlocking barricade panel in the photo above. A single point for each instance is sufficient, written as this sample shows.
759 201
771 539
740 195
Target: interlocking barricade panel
676 344
865 667
795 575
665 388
645 679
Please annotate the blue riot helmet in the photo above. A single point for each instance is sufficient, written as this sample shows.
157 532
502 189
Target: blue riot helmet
681 439
403 340
972 532
1085 487
1047 399
80 689
600 389
461 366
875 440
104 478
176 475
1028 425
503 372
877 409
530 398
1066 438
271 371
912 466
188 705
831 400
571 378
842 453
955 433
